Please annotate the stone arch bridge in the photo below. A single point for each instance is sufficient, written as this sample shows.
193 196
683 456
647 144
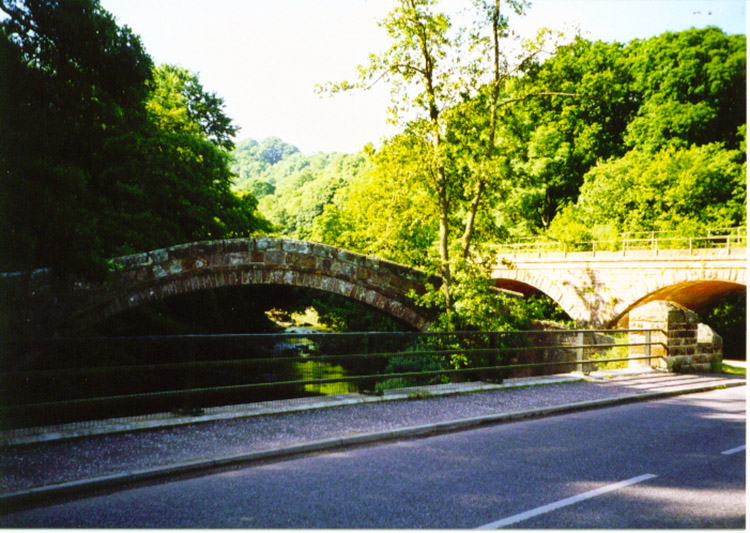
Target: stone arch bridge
600 289
50 308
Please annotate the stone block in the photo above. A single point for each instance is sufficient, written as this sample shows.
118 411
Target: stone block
323 251
238 246
346 270
160 256
267 243
300 261
252 276
705 335
181 251
349 257
298 247
274 257
324 264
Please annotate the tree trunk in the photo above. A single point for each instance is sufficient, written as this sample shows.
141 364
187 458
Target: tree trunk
495 95
445 266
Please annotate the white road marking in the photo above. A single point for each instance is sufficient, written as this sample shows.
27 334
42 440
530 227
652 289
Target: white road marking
567 501
733 450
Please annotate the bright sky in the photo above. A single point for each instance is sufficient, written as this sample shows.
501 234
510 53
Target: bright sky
264 57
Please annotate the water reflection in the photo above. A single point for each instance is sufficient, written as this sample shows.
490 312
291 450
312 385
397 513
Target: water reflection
313 369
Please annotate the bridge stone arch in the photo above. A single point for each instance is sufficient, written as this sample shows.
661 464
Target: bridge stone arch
528 283
159 274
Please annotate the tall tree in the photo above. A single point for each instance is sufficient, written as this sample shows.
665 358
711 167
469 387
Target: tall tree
99 156
486 39
418 61
72 82
432 71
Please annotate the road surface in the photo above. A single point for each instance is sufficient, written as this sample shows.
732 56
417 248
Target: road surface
676 463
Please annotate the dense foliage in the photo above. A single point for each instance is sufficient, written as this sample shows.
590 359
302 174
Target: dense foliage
595 140
102 153
677 159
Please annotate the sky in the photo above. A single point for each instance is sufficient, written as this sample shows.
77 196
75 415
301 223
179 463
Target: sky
264 57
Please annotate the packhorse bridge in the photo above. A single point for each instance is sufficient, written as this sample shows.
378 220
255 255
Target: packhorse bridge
49 308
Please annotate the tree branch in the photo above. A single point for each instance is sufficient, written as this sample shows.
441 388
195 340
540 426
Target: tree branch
534 95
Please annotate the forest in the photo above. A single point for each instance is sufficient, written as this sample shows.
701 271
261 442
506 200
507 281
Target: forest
557 138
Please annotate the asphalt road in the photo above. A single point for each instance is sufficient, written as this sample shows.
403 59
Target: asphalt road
651 465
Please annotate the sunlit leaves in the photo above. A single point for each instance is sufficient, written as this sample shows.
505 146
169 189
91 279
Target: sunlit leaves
698 187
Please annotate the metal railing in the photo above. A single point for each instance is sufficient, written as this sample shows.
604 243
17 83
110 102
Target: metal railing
650 241
92 378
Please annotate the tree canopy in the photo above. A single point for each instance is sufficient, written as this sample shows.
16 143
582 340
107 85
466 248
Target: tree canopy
103 153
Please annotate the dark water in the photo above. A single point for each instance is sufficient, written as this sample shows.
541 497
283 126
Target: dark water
307 347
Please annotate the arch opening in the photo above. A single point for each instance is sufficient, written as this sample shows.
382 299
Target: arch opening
245 309
727 316
546 304
696 295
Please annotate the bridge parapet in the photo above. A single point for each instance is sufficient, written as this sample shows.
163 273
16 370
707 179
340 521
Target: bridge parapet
656 242
713 254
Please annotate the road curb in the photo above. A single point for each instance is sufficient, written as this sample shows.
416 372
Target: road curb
26 497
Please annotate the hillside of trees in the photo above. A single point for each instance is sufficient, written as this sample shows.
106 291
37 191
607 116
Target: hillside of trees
293 188
651 138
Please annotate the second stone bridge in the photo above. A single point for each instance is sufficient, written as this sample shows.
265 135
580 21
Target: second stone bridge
600 289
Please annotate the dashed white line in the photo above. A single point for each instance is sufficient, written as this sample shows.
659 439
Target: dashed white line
564 503
733 450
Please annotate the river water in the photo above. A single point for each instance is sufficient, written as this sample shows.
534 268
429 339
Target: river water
313 369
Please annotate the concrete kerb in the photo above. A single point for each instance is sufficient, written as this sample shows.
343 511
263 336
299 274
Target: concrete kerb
118 480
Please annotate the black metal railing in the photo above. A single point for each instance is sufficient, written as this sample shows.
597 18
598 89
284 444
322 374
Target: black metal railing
63 380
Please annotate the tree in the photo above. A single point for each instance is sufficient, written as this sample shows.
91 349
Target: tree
386 210
178 103
253 159
675 189
303 186
553 142
432 72
181 189
73 81
675 159
420 45
691 87
101 154
676 89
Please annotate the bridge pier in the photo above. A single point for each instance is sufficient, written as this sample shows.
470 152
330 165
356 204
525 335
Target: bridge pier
684 343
